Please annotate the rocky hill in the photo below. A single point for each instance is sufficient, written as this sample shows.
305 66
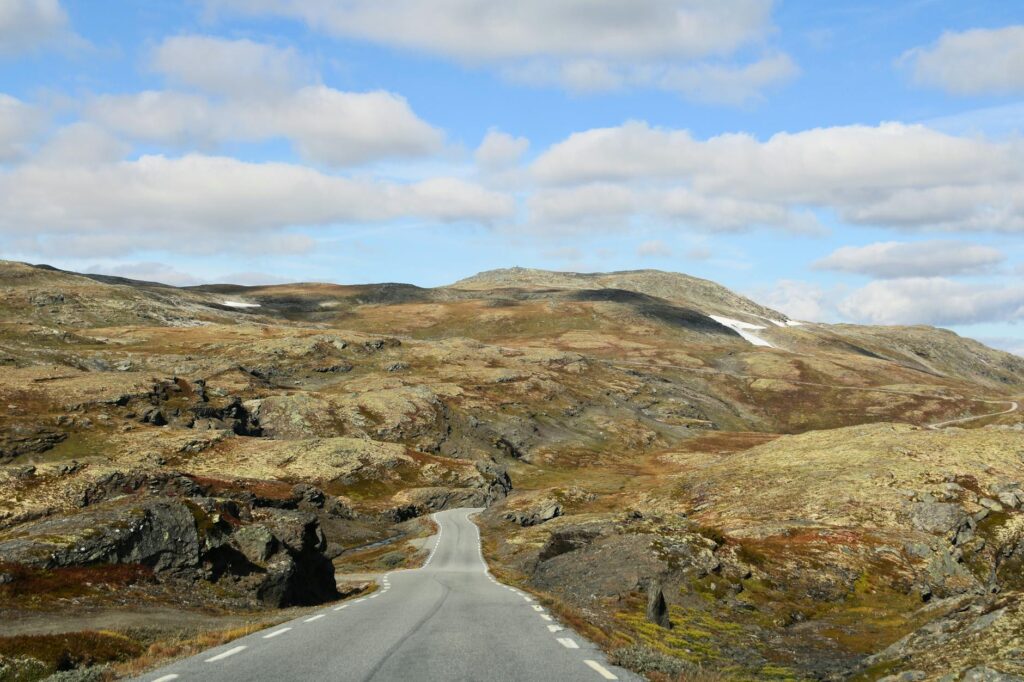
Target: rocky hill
777 481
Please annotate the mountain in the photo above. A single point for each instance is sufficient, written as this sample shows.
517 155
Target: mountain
813 501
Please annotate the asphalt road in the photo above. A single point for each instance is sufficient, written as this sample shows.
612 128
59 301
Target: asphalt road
449 620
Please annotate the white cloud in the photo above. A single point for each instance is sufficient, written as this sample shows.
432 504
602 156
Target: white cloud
798 300
324 125
202 204
19 125
81 144
654 248
710 82
974 62
29 24
237 68
499 150
913 259
583 45
147 271
933 300
893 174
589 206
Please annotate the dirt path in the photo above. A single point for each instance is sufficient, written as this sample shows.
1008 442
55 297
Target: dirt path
1014 406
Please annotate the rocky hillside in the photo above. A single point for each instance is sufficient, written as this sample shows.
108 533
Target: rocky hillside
638 437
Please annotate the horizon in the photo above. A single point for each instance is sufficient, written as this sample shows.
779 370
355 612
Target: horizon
857 164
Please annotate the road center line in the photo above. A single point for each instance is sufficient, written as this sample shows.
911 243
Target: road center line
275 633
601 670
316 617
339 608
229 652
166 678
568 643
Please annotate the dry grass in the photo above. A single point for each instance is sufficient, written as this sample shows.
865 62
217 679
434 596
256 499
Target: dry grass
183 645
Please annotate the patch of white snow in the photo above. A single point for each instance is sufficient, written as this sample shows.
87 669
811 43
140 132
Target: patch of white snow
743 329
240 304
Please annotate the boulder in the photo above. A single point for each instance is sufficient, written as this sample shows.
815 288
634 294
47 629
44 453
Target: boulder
657 609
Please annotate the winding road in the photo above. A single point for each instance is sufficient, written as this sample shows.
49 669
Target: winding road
449 620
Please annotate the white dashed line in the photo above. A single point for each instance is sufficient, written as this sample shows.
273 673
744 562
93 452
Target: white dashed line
568 643
555 628
316 617
601 670
545 616
359 600
339 608
275 633
374 595
166 678
229 652
537 607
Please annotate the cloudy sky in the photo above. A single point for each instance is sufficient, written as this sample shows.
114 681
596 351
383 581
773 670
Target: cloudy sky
854 161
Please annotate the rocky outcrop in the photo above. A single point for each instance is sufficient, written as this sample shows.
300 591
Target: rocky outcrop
657 609
277 558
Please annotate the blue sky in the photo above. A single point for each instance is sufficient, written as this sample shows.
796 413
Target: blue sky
852 161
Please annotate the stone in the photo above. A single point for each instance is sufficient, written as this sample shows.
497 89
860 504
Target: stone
255 542
990 504
905 676
657 608
983 673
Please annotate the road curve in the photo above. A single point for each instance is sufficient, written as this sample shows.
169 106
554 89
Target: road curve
449 620
1014 406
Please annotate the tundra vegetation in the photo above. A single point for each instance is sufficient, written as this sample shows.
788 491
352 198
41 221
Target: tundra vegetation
181 466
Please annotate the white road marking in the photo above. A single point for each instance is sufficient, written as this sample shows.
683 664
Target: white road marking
528 598
316 617
545 616
538 607
555 628
339 608
275 633
601 670
374 595
568 643
229 652
359 600
166 678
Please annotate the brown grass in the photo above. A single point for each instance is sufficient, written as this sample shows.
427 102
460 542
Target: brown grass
71 650
184 645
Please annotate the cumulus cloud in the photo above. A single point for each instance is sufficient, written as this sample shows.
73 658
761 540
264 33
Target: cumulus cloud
933 300
238 68
798 300
913 259
654 248
893 174
29 24
499 150
974 62
324 125
203 203
19 125
680 45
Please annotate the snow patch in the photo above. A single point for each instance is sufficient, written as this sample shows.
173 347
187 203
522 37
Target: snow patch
794 323
743 329
240 304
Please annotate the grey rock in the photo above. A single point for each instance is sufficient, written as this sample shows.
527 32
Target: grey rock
990 504
255 542
657 609
905 676
983 673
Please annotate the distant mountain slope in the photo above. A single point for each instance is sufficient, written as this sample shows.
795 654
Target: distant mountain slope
701 294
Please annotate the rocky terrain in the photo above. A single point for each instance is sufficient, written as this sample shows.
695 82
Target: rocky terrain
692 479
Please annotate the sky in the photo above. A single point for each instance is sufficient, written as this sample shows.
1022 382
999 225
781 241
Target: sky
841 162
